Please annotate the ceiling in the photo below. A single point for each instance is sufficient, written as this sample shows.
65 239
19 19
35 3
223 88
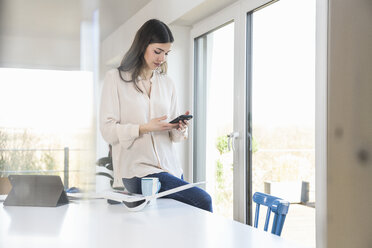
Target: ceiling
114 13
206 8
62 19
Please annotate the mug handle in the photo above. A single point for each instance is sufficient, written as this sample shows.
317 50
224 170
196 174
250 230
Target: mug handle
159 186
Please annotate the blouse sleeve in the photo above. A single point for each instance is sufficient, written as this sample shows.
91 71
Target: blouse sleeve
112 131
175 135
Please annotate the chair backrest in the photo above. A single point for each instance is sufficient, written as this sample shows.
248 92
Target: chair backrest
274 204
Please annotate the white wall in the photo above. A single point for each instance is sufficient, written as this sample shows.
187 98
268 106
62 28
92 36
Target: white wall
39 52
178 63
40 34
349 165
321 123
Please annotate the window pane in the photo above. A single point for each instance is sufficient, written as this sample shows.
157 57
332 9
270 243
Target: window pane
214 116
283 111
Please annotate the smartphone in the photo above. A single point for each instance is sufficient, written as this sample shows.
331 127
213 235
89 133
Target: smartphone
181 118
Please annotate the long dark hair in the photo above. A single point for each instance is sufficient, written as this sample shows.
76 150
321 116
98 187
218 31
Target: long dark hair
152 31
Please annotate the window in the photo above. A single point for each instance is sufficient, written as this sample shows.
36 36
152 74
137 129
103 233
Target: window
46 123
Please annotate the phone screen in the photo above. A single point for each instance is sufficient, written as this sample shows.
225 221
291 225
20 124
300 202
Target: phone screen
181 118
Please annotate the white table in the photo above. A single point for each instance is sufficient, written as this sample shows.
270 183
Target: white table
94 223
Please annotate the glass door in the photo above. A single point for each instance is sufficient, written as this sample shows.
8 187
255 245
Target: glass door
281 106
213 139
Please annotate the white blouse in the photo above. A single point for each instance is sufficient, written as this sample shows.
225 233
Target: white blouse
122 110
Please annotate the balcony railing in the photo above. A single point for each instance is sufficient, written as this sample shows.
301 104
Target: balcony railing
66 162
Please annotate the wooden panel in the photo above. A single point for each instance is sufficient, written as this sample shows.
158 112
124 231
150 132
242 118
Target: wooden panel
349 123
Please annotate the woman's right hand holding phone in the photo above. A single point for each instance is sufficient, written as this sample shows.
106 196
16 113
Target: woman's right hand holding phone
156 124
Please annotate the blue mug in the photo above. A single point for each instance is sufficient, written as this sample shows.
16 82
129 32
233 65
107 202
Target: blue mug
150 185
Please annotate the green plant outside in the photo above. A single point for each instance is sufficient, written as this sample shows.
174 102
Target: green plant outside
17 159
223 195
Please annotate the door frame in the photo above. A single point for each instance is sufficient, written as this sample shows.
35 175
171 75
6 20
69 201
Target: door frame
236 12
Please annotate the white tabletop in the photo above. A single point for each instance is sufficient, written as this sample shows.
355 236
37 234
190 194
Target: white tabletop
94 223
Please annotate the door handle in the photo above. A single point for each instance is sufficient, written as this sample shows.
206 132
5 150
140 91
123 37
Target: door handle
250 140
231 140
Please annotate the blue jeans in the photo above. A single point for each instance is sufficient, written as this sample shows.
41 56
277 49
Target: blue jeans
194 196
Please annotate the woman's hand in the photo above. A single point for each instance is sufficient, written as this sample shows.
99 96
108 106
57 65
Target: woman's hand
182 125
157 124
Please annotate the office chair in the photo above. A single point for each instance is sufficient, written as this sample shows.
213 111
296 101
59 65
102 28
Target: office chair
104 171
274 204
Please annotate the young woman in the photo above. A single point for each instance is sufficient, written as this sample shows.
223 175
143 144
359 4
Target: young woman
138 101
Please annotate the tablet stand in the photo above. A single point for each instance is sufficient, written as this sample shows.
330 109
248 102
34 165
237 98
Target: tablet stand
36 190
